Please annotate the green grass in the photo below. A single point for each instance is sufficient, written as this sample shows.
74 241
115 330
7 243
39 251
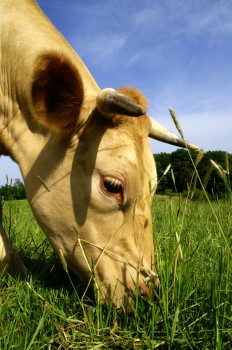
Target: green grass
193 309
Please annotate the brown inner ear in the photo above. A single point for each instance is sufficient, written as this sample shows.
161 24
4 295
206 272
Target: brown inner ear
57 93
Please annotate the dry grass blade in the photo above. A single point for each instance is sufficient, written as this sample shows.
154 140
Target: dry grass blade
227 163
199 157
176 122
167 169
218 168
63 261
43 183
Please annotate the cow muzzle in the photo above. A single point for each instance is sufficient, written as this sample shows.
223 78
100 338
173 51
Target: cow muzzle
123 293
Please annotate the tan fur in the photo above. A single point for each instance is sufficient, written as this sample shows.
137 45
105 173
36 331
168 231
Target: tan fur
135 95
136 125
9 259
46 92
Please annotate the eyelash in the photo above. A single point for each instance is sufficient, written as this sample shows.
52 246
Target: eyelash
114 188
112 185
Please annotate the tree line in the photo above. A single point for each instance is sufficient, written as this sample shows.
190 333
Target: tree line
176 174
14 190
214 169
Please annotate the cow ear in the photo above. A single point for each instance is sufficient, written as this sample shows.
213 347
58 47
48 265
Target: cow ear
57 93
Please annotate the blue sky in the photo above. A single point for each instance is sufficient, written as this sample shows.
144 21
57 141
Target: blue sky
178 52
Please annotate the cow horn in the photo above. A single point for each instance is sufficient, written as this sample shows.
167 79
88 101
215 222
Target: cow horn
159 132
110 102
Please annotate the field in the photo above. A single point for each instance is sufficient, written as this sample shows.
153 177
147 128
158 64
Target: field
192 310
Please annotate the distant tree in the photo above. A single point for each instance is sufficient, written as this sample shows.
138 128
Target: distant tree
19 189
162 161
15 191
215 184
183 169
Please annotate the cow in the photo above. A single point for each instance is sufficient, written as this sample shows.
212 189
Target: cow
83 153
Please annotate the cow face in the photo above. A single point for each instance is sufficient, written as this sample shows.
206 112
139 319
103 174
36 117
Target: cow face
114 178
99 169
90 150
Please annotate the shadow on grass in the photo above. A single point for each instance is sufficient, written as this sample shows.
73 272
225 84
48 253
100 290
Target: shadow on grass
48 272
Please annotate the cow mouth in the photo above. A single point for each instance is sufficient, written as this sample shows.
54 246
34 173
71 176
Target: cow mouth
122 291
126 300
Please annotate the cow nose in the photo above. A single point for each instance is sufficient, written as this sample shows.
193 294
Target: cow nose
151 278
144 290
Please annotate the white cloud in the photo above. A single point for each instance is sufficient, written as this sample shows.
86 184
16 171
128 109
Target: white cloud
214 20
193 19
104 48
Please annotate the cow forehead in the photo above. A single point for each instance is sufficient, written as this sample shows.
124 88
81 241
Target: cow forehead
126 153
124 141
118 144
124 130
117 156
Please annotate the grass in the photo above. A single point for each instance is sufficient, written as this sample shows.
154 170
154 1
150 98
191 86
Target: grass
193 309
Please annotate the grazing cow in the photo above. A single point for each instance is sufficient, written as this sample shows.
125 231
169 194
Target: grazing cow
83 153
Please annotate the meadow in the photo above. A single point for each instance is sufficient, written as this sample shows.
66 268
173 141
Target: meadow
192 309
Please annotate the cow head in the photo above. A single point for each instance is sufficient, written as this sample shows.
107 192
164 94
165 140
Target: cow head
97 176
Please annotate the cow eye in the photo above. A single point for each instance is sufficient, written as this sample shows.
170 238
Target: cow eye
113 186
